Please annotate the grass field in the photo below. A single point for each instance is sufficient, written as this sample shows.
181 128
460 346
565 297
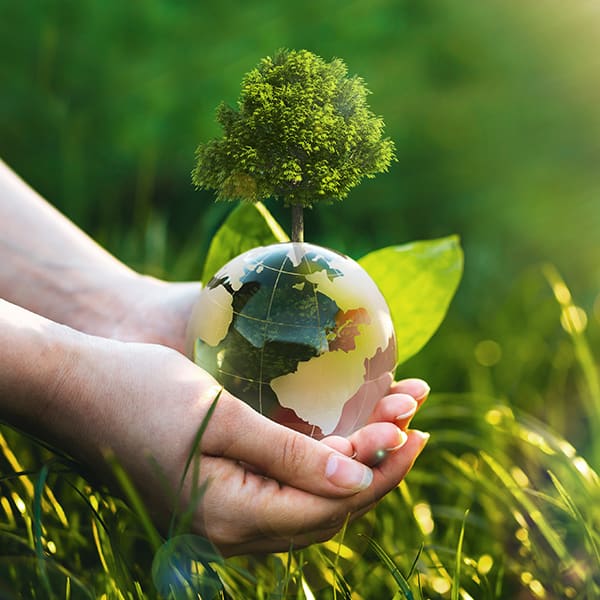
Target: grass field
501 504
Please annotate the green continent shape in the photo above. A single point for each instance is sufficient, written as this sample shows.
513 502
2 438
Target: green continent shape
279 320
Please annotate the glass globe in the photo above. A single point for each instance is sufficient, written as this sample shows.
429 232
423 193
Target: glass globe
299 332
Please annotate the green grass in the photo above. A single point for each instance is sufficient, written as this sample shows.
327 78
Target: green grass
497 142
500 505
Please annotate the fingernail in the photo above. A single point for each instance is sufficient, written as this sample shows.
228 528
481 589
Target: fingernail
402 439
347 473
420 389
423 437
411 407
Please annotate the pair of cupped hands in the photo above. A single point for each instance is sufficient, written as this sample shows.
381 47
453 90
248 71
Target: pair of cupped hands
268 487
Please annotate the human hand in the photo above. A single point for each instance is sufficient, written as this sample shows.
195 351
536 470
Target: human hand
145 309
268 486
160 312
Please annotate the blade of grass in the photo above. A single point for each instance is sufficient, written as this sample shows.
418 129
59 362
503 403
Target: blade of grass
391 566
336 560
572 323
135 501
577 516
193 457
123 568
546 530
459 551
40 484
413 566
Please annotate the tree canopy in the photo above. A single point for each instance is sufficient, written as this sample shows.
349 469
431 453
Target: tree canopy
302 132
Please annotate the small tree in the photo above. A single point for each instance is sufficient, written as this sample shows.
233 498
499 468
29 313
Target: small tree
302 132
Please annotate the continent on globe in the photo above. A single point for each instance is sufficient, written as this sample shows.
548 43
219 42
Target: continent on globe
299 332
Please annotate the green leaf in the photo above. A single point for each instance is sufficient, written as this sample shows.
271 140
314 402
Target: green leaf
418 281
246 227
390 565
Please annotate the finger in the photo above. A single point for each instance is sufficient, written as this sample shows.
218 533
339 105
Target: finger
280 515
341 444
417 388
238 432
395 408
390 472
269 545
374 442
260 514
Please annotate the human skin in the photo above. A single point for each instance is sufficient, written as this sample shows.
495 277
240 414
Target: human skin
92 362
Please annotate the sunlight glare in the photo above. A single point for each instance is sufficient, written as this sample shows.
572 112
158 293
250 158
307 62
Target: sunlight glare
535 439
422 513
561 292
573 319
520 519
522 535
537 589
21 506
519 476
526 577
493 417
485 564
567 449
8 510
582 466
440 585
340 549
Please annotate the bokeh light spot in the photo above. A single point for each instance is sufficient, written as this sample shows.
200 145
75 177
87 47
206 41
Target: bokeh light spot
561 292
440 585
488 353
422 513
485 564
526 577
537 588
573 319
21 506
519 476
494 416
522 534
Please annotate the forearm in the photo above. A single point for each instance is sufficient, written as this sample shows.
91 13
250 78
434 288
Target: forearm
87 395
59 385
52 268
34 371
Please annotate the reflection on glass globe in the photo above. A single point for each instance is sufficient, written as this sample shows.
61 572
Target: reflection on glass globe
299 332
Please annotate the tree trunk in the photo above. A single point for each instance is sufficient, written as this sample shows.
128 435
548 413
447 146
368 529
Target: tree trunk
297 223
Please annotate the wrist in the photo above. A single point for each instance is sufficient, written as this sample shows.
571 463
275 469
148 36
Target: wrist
103 304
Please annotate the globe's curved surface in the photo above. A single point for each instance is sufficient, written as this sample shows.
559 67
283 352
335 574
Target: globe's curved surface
299 332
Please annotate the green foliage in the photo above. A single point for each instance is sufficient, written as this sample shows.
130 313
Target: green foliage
418 281
247 226
302 132
496 141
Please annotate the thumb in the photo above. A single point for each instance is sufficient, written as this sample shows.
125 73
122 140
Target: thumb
238 432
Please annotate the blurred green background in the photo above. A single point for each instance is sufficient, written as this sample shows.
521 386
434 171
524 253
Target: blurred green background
494 107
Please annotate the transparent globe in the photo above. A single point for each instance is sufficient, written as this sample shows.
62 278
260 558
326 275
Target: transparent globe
299 332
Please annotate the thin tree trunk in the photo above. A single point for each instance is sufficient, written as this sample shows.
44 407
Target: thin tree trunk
297 223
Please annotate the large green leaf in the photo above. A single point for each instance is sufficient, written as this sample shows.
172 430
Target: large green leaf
246 227
418 281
